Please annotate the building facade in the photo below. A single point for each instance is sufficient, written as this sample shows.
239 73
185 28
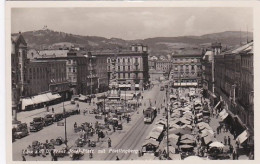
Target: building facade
163 65
80 71
47 76
18 65
131 66
186 68
234 87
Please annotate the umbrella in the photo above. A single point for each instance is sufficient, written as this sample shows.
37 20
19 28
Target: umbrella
187 136
216 144
186 146
193 158
187 141
174 136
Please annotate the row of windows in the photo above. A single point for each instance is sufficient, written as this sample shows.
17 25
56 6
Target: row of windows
123 60
186 59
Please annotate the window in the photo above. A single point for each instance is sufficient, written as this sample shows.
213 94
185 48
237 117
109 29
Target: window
123 60
128 68
129 60
108 60
192 67
129 75
118 67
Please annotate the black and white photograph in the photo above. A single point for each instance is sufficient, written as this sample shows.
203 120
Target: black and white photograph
131 83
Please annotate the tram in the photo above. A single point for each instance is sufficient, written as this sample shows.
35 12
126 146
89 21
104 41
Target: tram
149 114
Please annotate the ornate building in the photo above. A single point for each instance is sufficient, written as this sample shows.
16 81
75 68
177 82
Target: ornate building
18 67
186 68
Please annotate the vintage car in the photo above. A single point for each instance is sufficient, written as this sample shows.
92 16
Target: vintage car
21 131
73 112
57 117
37 124
66 114
48 119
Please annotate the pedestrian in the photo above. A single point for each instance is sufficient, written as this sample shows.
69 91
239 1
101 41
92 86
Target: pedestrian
52 110
230 148
229 140
114 128
225 140
23 158
117 158
234 154
109 142
90 154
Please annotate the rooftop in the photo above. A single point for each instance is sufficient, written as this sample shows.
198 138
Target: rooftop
246 48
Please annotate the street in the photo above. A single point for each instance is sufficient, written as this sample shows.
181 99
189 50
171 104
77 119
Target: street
131 137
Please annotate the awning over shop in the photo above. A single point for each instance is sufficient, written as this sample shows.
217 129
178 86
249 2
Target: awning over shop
127 96
57 96
124 85
194 84
45 98
151 142
242 137
223 114
136 85
26 102
37 99
50 96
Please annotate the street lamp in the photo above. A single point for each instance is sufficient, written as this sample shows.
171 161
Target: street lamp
167 117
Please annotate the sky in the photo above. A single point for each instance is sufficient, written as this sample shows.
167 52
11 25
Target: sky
133 23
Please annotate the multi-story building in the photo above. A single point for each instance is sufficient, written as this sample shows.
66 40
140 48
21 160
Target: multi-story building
47 75
234 87
101 71
131 66
18 65
186 68
163 65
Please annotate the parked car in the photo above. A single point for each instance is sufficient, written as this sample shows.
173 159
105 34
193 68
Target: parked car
73 112
48 119
21 131
57 117
66 114
37 124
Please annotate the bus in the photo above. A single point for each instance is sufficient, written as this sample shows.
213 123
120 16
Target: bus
150 114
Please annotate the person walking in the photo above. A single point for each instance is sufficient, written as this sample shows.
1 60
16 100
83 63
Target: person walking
117 158
225 140
109 142
229 141
52 110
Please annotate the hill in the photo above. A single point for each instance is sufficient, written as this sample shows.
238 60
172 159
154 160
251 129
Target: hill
42 39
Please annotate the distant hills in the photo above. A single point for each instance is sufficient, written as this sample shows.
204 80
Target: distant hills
41 39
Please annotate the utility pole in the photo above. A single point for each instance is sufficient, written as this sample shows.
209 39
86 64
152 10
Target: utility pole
65 126
167 95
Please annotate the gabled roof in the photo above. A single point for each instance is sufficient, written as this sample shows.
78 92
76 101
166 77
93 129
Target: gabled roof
18 39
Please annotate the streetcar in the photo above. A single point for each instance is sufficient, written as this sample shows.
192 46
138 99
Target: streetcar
149 114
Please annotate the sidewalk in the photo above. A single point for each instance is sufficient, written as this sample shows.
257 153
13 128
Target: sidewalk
214 123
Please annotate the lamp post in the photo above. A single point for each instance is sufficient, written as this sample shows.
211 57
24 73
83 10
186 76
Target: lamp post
65 125
167 116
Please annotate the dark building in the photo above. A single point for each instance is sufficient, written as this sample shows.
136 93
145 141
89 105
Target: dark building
230 86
